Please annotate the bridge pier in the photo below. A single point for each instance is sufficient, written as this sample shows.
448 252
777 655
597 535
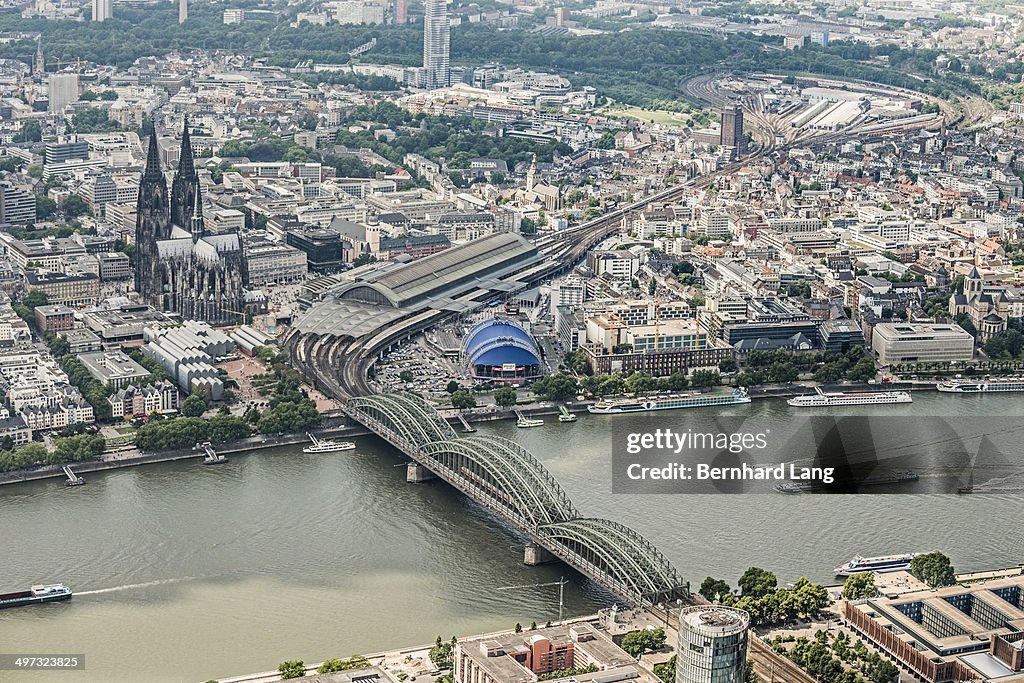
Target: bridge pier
416 473
534 555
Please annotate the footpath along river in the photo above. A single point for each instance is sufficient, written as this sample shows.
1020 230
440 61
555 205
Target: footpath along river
183 572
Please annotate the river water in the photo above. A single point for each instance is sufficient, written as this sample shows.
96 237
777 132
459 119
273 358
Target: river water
183 572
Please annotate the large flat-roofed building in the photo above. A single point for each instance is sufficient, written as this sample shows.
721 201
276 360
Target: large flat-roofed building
441 274
840 335
17 204
113 367
275 263
55 318
59 150
414 246
113 266
614 263
522 657
81 341
123 325
657 347
61 288
903 343
958 633
324 249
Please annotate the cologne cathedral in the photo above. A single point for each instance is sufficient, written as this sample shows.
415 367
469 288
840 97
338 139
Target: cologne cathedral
180 268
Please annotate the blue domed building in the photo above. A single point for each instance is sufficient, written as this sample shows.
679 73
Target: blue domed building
499 349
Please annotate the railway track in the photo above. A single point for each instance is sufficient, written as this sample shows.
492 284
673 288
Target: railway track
772 667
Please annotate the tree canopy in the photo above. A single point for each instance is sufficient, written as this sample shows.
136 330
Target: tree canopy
935 569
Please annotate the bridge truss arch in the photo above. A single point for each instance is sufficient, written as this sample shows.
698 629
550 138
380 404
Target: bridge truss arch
505 471
621 555
406 415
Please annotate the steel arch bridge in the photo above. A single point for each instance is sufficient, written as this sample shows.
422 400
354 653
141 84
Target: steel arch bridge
508 480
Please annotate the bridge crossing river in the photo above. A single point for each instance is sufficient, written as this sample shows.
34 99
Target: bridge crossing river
507 480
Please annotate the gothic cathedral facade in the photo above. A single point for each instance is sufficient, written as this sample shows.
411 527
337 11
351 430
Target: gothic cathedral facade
180 268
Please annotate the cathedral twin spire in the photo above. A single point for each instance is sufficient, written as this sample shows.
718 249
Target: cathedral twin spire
157 213
185 198
176 277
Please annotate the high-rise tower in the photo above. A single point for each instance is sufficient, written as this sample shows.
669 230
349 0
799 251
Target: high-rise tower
732 130
62 90
712 644
436 43
101 10
182 11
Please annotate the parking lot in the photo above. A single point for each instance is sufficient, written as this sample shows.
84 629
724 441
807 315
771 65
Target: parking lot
419 365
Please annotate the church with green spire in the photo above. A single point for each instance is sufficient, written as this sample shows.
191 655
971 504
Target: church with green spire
180 267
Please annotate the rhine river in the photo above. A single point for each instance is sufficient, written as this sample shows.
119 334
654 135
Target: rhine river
183 572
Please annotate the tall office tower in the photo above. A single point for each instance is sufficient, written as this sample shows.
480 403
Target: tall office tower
712 644
63 91
732 130
182 11
436 42
401 11
101 10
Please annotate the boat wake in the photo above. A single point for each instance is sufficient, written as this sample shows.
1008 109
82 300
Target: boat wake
133 586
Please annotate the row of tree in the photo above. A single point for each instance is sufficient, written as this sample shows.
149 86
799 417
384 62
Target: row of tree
562 386
760 596
834 659
185 432
67 449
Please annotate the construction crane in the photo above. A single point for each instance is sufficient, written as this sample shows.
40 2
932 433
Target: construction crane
61 63
561 583
245 315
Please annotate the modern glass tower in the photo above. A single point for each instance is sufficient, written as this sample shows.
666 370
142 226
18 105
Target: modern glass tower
712 645
436 43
